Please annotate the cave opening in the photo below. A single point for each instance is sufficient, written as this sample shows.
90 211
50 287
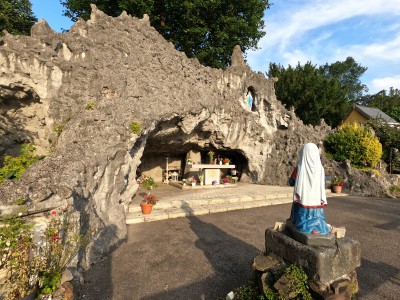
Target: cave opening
168 144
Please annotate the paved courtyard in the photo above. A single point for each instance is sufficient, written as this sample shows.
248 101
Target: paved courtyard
205 257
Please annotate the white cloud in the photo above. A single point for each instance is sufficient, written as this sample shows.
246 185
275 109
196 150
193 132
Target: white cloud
383 51
318 13
384 83
299 31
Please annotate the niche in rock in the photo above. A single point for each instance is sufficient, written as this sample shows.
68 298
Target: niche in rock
22 119
169 144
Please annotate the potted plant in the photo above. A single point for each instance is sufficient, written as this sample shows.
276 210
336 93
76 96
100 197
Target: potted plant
147 182
226 161
147 203
337 184
194 181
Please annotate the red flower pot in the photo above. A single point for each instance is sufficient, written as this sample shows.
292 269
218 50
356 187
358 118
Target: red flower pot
146 208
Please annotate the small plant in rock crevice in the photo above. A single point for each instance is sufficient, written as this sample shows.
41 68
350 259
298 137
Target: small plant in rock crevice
298 282
135 127
14 167
59 129
89 105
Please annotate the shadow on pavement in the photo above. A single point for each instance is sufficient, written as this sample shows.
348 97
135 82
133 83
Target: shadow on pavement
225 253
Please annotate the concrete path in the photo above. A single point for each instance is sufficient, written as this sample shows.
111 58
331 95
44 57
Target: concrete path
175 202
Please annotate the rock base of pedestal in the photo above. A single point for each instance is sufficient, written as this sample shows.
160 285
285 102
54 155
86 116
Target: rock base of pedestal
331 271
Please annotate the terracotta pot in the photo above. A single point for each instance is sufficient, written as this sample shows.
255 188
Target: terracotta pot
146 208
337 189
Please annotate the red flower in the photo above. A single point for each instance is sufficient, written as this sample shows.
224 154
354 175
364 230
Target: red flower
56 236
53 212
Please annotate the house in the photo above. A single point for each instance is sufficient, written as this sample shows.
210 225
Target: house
362 114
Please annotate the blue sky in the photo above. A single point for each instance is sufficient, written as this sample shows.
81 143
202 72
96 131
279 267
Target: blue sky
319 31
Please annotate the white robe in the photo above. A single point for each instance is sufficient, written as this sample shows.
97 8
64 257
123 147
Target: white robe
309 190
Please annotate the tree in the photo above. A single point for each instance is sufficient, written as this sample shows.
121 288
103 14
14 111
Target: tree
319 92
389 136
348 74
312 95
16 17
205 29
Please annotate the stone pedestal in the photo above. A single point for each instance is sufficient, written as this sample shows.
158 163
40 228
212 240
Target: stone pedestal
322 264
331 271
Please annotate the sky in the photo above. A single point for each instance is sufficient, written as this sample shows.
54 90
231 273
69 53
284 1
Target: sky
318 31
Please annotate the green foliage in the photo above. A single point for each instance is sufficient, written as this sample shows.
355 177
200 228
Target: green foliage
135 127
298 282
386 101
395 190
15 251
395 113
355 143
16 17
20 201
90 106
389 137
148 183
59 129
348 74
247 292
37 264
313 92
205 29
14 167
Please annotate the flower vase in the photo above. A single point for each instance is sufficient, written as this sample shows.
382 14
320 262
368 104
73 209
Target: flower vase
337 189
193 183
146 208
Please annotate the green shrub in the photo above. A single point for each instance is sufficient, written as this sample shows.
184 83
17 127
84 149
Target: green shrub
355 143
247 292
14 167
298 282
389 136
135 127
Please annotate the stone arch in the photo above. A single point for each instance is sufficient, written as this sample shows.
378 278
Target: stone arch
168 141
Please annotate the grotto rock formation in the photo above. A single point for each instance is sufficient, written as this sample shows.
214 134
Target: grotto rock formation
125 70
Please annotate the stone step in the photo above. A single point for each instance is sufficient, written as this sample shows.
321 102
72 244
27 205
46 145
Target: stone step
208 206
195 207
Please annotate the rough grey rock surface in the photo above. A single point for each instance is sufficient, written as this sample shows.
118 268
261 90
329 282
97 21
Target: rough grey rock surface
129 73
322 264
